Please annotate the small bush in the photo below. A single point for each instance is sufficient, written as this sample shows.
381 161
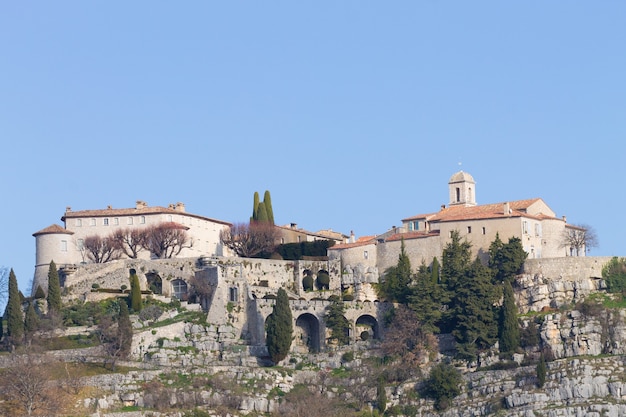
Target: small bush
150 313
307 283
323 280
347 357
365 335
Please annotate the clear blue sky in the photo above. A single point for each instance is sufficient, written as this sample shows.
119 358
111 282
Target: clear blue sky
354 114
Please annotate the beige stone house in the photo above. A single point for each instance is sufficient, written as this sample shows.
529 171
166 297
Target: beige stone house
426 235
65 244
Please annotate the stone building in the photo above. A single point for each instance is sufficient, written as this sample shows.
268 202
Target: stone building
426 235
65 244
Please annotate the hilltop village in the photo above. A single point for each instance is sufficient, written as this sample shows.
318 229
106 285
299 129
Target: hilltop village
210 308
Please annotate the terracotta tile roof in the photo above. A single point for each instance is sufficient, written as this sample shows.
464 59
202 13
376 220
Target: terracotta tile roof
363 241
55 228
110 212
486 211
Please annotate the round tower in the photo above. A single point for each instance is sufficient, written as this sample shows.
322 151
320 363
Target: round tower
51 244
462 189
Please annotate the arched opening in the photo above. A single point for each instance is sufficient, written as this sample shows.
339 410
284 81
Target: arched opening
155 284
307 333
369 324
179 289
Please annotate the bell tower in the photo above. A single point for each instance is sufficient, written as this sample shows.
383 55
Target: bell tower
462 188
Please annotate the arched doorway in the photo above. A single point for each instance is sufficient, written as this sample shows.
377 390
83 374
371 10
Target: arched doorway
369 324
308 333
155 284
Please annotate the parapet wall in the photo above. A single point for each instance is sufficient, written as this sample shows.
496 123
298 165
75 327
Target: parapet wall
570 268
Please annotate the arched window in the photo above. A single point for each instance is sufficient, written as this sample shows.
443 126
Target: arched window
179 289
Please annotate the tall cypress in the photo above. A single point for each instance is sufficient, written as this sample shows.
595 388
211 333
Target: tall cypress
14 316
435 270
135 293
279 328
31 322
262 213
267 202
509 326
255 207
395 286
124 332
54 289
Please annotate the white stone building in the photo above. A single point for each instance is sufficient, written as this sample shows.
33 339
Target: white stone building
65 244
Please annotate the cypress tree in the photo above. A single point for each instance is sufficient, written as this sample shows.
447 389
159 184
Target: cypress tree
135 294
262 213
255 207
267 201
54 289
31 322
435 270
542 370
337 323
509 326
14 316
39 293
124 332
381 396
279 328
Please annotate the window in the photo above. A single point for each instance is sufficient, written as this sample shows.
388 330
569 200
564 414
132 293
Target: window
537 229
525 227
179 287
92 222
484 230
469 229
116 221
450 233
129 220
232 294
79 222
105 222
365 254
169 218
80 243
458 195
142 220
64 246
413 226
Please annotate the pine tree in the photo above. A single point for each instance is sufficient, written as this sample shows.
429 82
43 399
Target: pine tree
337 323
381 396
255 208
509 325
279 328
54 289
506 259
396 283
267 201
426 300
135 294
476 325
14 316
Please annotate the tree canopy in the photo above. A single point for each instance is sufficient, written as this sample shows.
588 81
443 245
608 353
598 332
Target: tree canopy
279 328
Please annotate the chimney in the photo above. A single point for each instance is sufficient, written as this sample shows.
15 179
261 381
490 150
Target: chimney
294 225
180 207
352 237
506 208
443 206
140 205
68 209
565 219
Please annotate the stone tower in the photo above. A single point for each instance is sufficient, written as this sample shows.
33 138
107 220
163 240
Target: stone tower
462 189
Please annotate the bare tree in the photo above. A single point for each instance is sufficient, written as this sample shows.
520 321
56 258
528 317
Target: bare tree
578 238
101 249
166 240
249 239
130 241
28 386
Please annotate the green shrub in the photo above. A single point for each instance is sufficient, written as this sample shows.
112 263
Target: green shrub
614 274
365 335
542 370
307 283
347 357
323 280
443 384
39 293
